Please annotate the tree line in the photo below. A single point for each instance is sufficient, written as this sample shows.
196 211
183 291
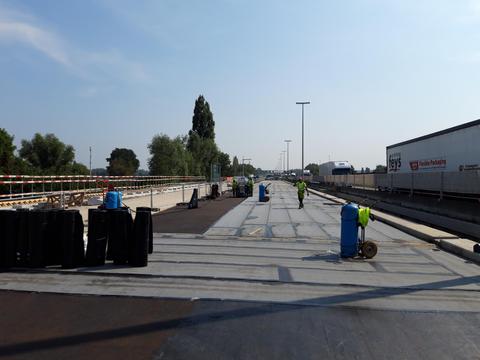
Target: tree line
193 154
42 155
187 155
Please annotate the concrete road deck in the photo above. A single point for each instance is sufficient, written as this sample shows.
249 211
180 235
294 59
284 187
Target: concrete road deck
410 301
277 252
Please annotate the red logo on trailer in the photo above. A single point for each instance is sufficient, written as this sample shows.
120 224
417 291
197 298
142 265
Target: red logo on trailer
428 164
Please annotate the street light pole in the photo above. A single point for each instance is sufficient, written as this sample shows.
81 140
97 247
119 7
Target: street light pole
90 149
303 142
283 162
288 155
243 165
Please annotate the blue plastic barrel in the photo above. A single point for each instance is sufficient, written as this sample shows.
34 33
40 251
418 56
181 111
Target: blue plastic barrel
349 231
261 192
120 198
111 200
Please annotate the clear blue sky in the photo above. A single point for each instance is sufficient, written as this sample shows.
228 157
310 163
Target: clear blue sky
111 73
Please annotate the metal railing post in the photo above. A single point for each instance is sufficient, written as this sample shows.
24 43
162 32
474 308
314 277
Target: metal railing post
62 196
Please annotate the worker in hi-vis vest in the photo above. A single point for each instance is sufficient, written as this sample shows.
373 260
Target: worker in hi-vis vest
250 186
234 187
301 186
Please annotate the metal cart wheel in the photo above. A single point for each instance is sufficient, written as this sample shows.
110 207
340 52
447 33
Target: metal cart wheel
369 249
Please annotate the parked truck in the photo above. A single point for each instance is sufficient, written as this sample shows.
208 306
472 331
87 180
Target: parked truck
453 149
335 168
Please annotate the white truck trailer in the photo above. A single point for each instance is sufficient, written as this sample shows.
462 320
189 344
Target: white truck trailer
335 168
453 149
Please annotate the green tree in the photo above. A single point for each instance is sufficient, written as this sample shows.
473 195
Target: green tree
24 168
204 153
314 168
76 169
224 162
202 120
7 153
235 166
122 162
380 169
47 154
201 139
169 156
249 170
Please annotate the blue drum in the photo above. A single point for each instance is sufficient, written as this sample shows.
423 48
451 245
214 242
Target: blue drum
111 200
349 231
261 192
120 200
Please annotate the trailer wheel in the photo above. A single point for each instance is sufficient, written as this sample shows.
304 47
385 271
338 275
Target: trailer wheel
369 249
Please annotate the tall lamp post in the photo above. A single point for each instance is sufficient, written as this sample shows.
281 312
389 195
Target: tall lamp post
243 165
90 149
288 155
283 161
303 142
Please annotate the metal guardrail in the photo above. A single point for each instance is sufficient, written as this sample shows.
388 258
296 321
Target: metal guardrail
464 184
23 187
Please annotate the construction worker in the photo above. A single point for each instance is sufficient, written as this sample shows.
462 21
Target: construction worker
234 187
301 186
250 186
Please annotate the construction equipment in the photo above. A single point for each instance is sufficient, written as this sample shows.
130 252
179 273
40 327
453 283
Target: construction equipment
242 188
351 245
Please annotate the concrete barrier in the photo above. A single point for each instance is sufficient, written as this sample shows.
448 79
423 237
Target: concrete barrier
464 182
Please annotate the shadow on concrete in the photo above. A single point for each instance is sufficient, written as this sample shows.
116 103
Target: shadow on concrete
335 258
107 266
